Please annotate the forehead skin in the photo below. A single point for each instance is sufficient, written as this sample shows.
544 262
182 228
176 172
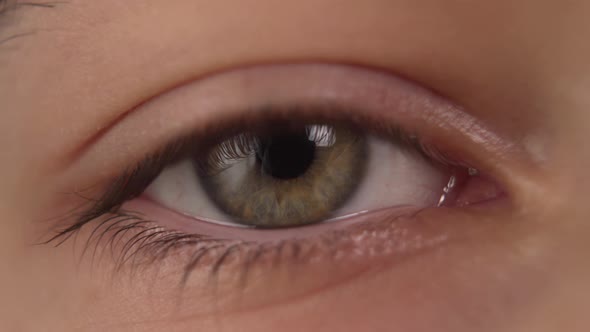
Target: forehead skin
467 50
520 65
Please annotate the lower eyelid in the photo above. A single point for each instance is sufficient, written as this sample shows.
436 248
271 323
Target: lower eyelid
194 225
372 241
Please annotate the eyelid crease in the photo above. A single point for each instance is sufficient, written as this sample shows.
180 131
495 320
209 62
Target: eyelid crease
7 6
82 148
381 94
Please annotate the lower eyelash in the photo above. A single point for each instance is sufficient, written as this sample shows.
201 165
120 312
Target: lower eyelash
134 242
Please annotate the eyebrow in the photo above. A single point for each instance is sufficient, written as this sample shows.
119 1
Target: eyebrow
7 6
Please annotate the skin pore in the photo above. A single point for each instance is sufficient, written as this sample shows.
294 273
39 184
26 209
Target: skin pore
81 95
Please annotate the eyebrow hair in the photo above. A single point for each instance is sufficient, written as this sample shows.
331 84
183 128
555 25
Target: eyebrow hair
7 6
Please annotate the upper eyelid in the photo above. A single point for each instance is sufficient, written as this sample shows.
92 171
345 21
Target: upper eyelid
171 111
165 118
177 114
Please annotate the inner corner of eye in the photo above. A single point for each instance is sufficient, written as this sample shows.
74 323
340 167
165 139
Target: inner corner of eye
295 175
470 187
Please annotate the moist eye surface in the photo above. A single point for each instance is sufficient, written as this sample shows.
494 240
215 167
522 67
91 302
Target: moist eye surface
287 176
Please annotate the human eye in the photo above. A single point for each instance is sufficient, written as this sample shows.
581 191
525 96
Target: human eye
296 168
299 174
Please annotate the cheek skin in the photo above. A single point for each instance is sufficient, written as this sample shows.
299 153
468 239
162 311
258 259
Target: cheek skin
475 282
470 285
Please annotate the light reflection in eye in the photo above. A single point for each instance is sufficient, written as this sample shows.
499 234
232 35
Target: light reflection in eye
322 135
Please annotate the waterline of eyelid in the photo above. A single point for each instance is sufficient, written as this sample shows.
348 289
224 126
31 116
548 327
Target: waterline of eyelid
213 229
242 226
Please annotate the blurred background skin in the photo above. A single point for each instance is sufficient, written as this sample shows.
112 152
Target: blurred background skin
521 65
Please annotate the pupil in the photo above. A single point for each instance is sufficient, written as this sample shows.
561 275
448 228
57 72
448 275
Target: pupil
286 156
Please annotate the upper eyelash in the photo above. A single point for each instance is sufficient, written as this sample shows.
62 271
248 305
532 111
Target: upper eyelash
127 186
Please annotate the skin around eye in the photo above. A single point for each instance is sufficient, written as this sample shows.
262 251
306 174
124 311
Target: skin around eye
383 222
91 89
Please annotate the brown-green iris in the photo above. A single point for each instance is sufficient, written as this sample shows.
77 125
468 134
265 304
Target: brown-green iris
285 177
